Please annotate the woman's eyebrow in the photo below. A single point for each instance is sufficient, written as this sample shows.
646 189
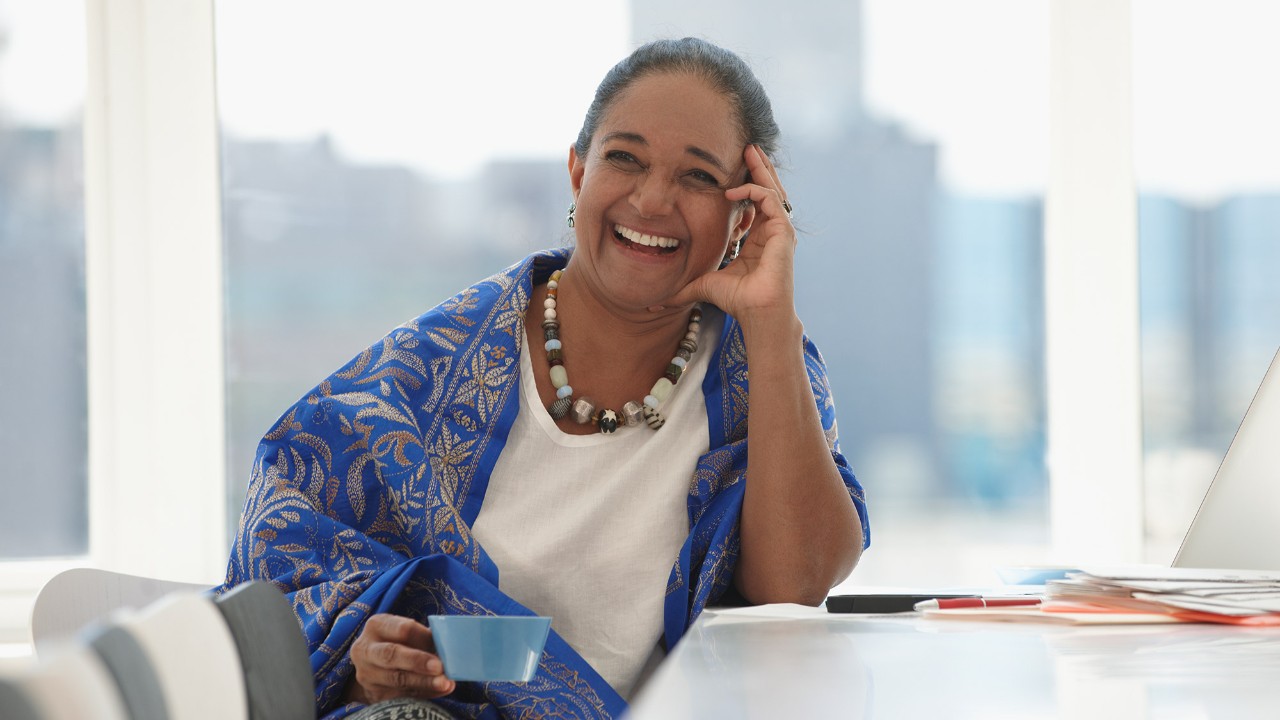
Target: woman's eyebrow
627 136
703 154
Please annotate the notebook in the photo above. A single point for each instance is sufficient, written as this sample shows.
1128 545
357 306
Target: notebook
1238 523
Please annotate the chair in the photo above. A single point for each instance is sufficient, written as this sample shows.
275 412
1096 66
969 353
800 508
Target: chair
273 652
171 650
174 660
74 598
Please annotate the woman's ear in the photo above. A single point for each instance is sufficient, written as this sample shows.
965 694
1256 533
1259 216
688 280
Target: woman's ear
743 225
577 166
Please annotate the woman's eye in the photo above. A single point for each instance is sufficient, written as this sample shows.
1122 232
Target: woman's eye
621 157
703 177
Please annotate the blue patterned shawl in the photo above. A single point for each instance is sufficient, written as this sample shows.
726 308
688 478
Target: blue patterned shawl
363 494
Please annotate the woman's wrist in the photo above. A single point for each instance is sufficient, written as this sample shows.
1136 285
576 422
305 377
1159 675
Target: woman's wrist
770 331
771 327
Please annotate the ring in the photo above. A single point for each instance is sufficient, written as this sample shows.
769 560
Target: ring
786 206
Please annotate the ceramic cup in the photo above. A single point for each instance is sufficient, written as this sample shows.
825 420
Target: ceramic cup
489 648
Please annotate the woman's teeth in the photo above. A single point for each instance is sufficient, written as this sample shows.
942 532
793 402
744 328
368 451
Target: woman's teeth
632 236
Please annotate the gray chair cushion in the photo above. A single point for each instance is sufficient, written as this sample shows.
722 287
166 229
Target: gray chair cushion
273 652
131 669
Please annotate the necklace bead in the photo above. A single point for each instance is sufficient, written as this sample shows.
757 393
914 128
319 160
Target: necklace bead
583 410
607 421
560 407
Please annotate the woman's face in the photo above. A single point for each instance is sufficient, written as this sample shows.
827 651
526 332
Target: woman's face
651 212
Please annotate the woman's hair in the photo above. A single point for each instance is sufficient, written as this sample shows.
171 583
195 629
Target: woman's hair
723 70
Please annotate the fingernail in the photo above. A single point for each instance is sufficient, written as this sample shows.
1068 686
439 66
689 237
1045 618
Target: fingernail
657 308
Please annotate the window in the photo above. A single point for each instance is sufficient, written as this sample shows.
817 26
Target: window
1207 159
43 423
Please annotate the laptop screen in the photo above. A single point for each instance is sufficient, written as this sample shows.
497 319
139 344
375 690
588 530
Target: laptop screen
1238 523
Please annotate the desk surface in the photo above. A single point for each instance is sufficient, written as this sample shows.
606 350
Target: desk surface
788 661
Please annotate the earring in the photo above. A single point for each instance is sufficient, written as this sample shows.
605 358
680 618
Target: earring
568 220
732 254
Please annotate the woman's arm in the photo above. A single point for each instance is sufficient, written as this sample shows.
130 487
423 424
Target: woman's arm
800 530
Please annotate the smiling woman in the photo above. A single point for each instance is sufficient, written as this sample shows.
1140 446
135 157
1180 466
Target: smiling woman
462 454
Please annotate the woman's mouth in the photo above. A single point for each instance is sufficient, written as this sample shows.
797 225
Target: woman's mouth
650 244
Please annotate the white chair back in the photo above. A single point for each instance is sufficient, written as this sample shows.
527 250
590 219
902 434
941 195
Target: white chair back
75 598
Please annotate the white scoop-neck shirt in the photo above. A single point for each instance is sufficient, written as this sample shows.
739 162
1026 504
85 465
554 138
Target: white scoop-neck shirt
586 528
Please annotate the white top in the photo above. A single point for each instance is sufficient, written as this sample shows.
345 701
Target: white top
586 528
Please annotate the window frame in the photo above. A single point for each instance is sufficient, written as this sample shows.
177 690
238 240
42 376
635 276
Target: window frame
1094 421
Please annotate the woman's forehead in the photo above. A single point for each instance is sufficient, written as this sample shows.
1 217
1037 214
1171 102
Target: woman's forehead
673 106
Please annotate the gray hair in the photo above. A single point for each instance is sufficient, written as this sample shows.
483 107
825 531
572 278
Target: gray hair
722 69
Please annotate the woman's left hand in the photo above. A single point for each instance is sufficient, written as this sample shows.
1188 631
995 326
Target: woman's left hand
761 279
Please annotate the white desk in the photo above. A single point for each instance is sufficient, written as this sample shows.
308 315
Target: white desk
793 662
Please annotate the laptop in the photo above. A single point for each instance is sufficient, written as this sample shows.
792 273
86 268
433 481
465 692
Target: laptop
1238 524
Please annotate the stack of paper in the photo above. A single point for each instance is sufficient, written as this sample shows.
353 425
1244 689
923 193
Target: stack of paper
1241 597
1144 595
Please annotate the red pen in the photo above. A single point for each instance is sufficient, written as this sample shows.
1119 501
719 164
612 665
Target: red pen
977 602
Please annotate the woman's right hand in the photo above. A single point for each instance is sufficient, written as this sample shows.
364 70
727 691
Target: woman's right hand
395 657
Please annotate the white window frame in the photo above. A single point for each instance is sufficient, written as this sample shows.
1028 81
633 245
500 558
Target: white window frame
1092 342
157 481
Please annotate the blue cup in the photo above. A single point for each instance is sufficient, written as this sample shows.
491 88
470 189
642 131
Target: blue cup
489 648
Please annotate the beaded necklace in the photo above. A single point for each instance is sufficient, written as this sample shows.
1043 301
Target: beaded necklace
584 408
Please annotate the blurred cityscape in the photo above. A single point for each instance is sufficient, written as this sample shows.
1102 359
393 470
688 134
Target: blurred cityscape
926 303
44 507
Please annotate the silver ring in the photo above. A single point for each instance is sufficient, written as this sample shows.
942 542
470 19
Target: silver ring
786 206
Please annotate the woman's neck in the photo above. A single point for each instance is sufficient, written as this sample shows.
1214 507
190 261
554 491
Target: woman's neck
611 357
603 332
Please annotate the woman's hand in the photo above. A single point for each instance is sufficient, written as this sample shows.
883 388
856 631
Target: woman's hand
761 279
395 657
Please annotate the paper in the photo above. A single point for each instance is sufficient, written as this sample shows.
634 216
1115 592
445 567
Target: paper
1192 594
1040 615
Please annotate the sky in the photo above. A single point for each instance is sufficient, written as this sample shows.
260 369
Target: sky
444 87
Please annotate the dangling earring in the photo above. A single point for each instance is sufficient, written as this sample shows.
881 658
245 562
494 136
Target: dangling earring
732 254
568 219
733 251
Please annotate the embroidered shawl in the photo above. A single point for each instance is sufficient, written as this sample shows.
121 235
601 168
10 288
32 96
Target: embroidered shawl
362 495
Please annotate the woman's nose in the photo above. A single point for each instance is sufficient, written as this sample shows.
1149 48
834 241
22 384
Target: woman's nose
652 196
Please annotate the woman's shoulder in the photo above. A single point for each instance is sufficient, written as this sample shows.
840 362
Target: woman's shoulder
508 287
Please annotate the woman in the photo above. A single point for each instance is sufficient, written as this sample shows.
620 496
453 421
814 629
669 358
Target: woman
498 455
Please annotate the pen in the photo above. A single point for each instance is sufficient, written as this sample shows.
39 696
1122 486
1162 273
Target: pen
977 602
